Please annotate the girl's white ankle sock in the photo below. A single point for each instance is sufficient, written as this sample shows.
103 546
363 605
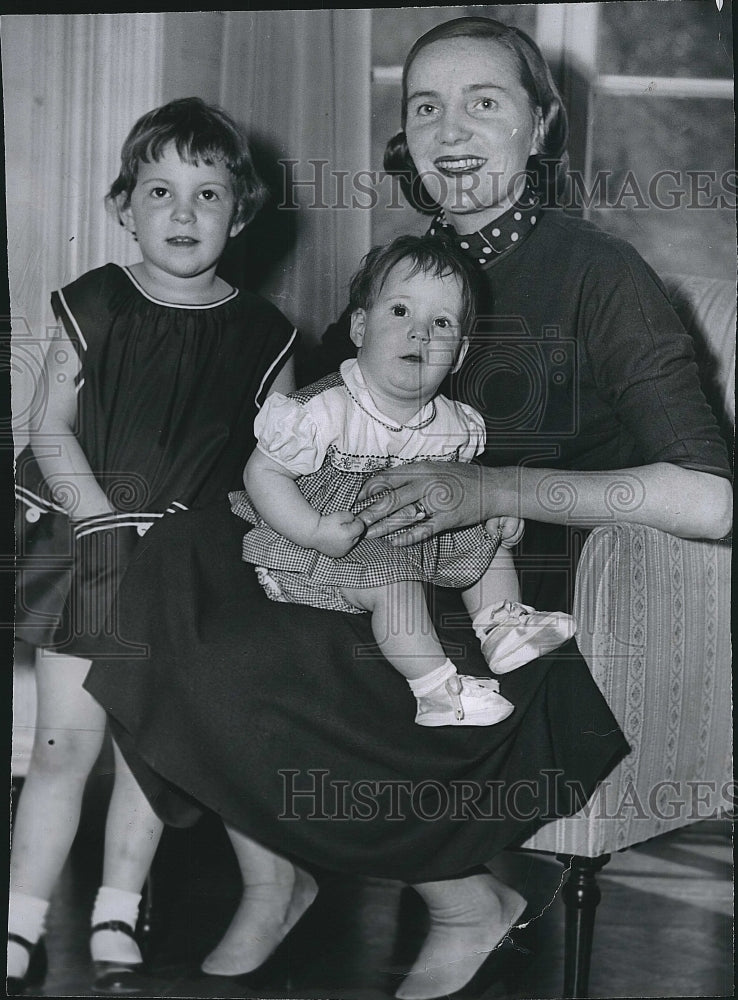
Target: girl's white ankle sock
26 917
422 686
115 946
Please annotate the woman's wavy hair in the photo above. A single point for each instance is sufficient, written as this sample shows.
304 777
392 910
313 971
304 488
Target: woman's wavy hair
547 168
426 255
201 133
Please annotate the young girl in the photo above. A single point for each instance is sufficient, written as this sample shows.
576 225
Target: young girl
151 386
412 308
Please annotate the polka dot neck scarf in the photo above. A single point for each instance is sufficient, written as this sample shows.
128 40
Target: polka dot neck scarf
499 237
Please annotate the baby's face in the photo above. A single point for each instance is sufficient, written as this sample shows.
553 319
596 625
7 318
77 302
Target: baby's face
410 337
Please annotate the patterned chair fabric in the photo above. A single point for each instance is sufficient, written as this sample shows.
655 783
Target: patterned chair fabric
654 626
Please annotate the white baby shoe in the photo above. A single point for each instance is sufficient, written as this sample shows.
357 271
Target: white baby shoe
463 701
517 634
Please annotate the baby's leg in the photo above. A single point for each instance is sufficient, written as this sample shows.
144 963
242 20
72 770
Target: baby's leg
511 633
402 626
404 631
499 584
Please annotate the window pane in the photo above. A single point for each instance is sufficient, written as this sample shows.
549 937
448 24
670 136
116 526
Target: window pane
683 220
666 38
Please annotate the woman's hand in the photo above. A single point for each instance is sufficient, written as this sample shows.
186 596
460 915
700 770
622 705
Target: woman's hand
429 497
425 498
337 533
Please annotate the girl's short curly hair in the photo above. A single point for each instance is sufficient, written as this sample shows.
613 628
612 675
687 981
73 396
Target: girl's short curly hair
200 132
432 255
546 168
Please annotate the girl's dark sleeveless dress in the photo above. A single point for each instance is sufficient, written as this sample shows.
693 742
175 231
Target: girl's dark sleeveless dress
285 721
167 397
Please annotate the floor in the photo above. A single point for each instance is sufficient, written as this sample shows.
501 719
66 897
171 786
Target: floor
664 926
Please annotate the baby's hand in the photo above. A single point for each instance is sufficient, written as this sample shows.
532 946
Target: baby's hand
512 529
337 533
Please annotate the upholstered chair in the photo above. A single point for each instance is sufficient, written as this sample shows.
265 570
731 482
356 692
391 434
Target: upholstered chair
654 627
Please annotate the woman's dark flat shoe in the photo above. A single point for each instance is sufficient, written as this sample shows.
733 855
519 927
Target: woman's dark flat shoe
37 966
494 968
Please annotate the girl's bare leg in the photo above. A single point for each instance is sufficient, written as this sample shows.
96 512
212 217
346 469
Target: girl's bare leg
70 726
132 834
276 893
69 732
469 918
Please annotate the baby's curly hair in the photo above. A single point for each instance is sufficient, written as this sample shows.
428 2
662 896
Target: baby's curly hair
431 255
200 132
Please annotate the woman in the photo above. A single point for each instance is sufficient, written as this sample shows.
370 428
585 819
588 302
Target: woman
282 719
597 293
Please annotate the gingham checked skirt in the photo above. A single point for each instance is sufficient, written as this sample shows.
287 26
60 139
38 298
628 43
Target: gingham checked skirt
289 572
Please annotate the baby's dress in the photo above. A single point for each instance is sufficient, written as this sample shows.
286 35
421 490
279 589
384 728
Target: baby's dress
166 400
333 436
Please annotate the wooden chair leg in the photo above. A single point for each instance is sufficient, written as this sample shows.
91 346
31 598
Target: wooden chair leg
581 894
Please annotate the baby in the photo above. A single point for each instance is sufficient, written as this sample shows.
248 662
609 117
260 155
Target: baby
412 308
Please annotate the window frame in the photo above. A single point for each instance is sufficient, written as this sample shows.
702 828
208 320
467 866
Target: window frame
568 35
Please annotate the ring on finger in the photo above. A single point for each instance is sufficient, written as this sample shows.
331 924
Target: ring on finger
421 514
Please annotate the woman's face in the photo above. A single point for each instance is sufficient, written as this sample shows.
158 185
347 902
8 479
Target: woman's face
470 128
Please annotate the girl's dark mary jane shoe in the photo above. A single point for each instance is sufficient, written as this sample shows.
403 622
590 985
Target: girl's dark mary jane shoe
118 978
15 986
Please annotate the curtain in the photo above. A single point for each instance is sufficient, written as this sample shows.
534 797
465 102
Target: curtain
300 81
72 87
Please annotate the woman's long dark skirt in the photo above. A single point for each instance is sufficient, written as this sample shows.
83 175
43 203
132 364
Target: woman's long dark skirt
283 720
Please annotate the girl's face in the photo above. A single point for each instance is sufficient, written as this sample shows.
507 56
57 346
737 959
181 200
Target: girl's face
470 128
409 338
182 216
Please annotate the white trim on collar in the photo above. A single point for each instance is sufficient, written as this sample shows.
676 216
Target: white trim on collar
176 305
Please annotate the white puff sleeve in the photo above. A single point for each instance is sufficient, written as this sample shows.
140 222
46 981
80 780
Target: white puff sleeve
287 433
476 436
